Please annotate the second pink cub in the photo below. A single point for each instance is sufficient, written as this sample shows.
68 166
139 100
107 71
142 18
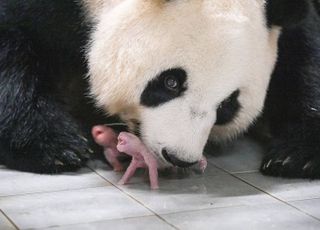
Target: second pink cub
130 144
141 158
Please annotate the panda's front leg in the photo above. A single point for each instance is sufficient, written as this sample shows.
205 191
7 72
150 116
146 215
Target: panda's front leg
293 107
36 134
295 153
41 138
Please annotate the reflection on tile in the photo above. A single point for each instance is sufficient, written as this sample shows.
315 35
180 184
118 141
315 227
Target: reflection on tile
15 183
311 207
141 175
150 222
285 189
195 194
242 155
106 172
189 173
275 217
70 207
5 223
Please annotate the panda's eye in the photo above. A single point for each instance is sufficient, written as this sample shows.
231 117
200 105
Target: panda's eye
228 109
171 83
168 85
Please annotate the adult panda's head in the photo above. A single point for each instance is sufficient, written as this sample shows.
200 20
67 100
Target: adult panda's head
183 69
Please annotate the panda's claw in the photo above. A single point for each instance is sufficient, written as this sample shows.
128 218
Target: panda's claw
83 138
307 166
286 161
282 162
58 162
69 159
268 164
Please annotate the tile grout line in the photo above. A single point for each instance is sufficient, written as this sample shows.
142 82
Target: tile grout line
111 184
59 190
9 219
135 217
139 202
282 201
203 209
53 191
265 192
90 222
306 199
235 175
228 173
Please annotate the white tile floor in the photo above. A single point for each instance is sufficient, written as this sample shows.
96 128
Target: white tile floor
231 194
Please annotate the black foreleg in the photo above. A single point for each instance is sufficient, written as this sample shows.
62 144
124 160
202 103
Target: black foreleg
293 105
35 133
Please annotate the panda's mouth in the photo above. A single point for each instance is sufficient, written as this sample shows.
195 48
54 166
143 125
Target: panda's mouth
176 161
162 156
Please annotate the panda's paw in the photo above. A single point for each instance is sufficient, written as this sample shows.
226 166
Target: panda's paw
62 155
292 161
71 155
49 153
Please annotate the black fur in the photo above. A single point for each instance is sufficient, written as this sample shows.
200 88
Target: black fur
41 86
176 161
156 92
286 13
317 5
293 103
228 109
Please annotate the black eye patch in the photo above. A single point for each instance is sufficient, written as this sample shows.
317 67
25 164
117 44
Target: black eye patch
228 109
167 86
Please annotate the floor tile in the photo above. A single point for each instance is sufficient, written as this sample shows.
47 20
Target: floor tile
243 155
150 222
195 194
16 183
107 172
70 207
5 223
164 175
311 207
275 217
284 189
186 198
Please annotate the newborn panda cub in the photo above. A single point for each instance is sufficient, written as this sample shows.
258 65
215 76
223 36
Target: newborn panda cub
114 145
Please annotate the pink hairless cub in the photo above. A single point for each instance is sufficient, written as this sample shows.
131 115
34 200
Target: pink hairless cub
115 145
130 144
107 138
203 163
141 158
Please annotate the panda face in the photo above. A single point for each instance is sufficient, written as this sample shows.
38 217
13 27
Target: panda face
184 70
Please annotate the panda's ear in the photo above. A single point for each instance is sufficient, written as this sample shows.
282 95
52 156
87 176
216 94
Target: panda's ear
286 13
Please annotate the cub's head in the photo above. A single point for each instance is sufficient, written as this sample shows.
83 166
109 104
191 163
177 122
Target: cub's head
184 70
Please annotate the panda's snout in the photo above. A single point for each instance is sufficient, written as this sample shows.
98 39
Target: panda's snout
171 158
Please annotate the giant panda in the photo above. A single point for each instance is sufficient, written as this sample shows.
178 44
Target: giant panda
180 73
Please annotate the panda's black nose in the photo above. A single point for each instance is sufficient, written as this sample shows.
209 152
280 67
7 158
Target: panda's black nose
170 157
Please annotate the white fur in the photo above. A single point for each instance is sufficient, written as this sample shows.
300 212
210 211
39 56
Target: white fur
223 45
95 7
